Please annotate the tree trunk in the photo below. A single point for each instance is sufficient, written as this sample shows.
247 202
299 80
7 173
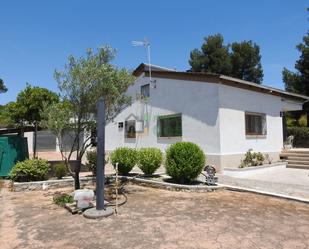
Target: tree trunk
77 171
76 180
35 139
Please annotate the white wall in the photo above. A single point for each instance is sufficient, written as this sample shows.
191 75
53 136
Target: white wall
197 102
29 136
213 116
234 102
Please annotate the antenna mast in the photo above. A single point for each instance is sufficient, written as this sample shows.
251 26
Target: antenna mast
146 44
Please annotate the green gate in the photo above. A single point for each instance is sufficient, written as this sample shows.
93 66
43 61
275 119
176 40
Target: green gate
13 148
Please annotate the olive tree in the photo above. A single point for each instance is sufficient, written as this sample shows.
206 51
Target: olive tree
82 82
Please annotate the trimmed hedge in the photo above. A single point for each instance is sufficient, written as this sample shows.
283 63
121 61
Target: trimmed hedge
126 159
184 161
30 170
149 160
301 136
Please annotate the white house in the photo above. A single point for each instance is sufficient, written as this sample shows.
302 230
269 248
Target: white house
223 115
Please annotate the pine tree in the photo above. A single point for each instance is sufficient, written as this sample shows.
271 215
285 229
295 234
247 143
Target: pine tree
243 61
213 57
246 61
298 81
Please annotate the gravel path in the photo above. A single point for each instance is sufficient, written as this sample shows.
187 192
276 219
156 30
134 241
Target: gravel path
157 219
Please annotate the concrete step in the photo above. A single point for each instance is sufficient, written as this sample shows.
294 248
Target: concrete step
296 151
298 158
298 162
297 166
285 155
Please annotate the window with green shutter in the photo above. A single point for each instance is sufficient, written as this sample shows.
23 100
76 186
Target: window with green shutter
169 126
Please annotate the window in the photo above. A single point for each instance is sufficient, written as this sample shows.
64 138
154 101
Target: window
170 126
68 138
130 129
255 124
46 141
145 91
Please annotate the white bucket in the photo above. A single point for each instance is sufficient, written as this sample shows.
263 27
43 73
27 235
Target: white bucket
83 197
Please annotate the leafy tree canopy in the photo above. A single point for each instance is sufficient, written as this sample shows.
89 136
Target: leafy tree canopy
82 82
28 108
11 115
30 102
298 81
86 79
241 60
213 57
246 61
3 88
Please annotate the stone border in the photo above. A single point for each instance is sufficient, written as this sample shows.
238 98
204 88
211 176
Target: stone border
168 185
42 185
252 170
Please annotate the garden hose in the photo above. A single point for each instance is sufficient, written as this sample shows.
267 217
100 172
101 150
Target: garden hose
121 192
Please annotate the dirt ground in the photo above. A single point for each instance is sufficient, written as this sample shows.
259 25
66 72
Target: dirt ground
155 218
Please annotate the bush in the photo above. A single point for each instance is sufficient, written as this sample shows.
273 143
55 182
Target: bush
184 161
92 161
62 199
30 170
149 160
302 121
60 170
126 159
252 159
301 136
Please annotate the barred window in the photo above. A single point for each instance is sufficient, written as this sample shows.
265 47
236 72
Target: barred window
255 124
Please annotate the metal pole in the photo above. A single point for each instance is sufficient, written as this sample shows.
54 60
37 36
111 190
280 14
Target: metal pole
100 154
116 188
148 48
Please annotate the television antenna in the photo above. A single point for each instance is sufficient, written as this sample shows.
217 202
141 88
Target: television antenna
146 44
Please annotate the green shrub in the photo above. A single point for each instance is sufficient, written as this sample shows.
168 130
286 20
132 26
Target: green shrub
30 170
92 161
149 160
60 170
126 159
252 159
184 161
290 121
302 121
62 199
301 136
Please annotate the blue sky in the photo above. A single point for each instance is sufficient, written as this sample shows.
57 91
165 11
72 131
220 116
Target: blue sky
36 37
